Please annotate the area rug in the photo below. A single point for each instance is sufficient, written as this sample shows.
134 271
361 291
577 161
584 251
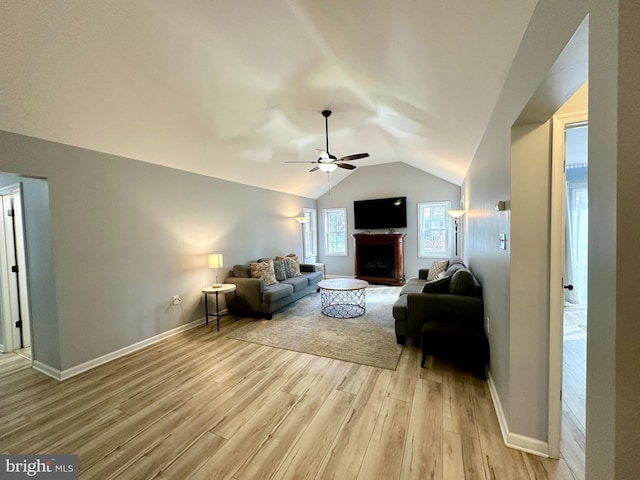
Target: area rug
368 340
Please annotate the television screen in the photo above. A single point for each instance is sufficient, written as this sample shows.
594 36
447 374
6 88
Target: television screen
380 213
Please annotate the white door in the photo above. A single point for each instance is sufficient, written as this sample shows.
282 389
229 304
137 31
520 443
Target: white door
14 303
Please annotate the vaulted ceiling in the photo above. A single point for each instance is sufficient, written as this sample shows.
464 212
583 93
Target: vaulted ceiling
234 88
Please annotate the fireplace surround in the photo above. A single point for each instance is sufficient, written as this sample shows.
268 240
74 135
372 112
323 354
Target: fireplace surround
380 258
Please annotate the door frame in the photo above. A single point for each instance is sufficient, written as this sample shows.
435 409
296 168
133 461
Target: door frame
21 287
556 274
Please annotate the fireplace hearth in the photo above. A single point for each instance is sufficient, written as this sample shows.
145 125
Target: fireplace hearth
380 258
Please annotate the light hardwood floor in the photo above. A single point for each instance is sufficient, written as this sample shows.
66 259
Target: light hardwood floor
202 406
574 381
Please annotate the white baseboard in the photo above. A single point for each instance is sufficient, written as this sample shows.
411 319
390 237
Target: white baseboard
47 370
83 367
515 440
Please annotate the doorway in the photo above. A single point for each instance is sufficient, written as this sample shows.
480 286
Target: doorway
14 295
576 271
568 291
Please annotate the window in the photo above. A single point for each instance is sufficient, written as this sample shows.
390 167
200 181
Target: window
335 231
310 236
434 230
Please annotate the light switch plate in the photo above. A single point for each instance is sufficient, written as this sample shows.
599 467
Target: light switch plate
503 241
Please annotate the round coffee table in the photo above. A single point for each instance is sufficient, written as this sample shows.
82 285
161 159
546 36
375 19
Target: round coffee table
342 297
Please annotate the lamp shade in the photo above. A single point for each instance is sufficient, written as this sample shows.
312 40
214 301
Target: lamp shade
456 213
302 219
327 167
215 260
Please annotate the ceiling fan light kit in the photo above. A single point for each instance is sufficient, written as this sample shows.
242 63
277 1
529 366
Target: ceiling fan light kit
327 162
327 167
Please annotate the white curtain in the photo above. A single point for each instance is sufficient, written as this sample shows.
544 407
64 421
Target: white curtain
576 258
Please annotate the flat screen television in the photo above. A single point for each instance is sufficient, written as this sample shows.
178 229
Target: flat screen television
380 213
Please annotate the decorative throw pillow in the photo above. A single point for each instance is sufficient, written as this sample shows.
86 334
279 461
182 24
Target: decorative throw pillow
437 267
286 261
295 264
279 268
265 271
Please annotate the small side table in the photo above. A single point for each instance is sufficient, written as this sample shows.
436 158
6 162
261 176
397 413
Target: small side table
224 288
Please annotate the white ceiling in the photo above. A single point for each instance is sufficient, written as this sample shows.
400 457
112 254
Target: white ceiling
234 88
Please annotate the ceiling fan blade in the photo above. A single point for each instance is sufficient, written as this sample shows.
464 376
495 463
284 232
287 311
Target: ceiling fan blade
314 169
346 165
301 161
356 156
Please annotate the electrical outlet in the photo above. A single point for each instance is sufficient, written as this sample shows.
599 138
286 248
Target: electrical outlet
176 300
488 328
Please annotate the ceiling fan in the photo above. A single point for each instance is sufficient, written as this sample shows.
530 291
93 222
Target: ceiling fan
327 162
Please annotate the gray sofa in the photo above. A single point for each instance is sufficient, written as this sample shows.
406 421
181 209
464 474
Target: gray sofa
457 297
253 296
445 316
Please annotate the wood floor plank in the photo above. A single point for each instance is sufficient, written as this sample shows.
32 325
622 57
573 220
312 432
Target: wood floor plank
423 450
245 366
472 458
113 438
498 462
354 378
13 363
404 379
544 468
68 438
452 460
572 444
234 453
247 407
192 457
433 369
267 458
304 459
383 459
300 383
347 452
458 414
153 447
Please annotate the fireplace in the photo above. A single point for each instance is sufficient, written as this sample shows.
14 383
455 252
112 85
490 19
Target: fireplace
380 258
377 261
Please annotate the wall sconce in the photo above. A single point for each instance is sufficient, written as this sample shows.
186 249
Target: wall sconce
215 261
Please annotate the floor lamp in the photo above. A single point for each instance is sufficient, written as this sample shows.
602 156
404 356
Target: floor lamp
456 214
302 221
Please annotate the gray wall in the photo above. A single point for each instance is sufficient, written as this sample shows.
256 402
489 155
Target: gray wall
383 181
127 235
613 385
518 370
529 277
